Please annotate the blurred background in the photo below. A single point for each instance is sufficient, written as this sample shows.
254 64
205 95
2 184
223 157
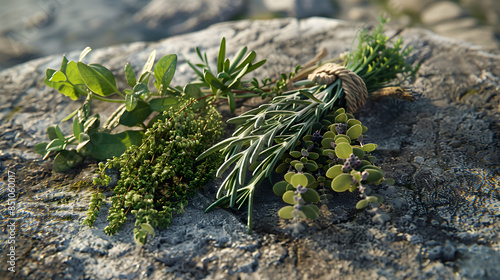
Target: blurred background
35 28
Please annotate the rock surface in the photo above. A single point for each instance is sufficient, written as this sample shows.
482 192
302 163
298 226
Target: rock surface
33 28
298 8
170 17
441 218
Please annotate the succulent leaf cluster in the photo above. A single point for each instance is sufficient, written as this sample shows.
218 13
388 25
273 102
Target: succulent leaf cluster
331 157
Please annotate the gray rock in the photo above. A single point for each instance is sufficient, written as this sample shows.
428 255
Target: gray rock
407 6
457 24
12 51
449 251
458 100
419 160
441 11
479 35
435 253
300 8
170 17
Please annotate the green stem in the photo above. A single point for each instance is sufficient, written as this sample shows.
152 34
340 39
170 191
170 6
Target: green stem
120 94
250 210
106 99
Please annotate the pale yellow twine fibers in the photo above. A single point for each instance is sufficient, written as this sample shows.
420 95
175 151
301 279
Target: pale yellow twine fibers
354 87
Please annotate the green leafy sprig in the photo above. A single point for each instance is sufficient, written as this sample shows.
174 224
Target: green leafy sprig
227 81
157 177
96 82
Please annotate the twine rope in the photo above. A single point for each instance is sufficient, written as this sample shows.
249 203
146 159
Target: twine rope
354 87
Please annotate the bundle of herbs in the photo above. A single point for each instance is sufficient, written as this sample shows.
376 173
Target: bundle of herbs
175 151
265 134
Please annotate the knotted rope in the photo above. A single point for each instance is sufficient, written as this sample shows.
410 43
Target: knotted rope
354 87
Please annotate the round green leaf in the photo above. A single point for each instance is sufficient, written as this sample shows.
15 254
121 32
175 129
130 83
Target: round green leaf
282 168
365 167
342 182
313 185
137 116
354 132
98 78
352 122
105 145
334 171
326 143
149 229
365 163
54 132
286 212
56 145
328 151
308 143
369 147
311 196
342 140
299 166
280 187
311 166
307 138
339 111
313 155
358 152
295 154
130 101
288 197
329 134
372 158
348 140
341 118
299 179
365 129
309 211
41 148
163 104
310 178
164 72
374 175
289 175
314 207
362 204
130 75
389 181
65 160
343 150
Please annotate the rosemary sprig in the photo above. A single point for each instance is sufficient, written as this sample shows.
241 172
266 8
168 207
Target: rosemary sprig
265 133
